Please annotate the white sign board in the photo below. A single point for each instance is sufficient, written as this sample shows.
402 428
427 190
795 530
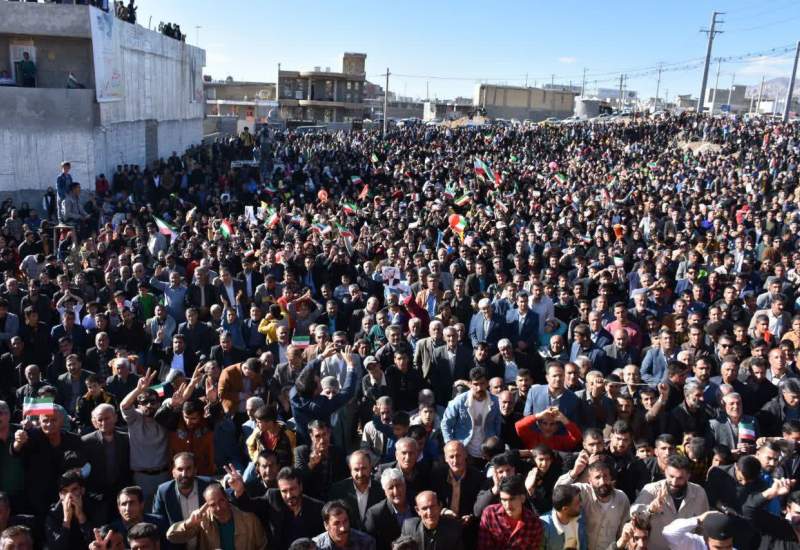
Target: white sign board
107 56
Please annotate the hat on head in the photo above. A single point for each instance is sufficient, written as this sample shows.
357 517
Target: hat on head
718 526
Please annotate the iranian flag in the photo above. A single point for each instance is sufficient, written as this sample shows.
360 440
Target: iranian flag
270 190
159 389
747 431
652 165
227 229
458 224
38 406
164 228
272 218
350 208
356 180
344 232
301 341
449 191
462 200
483 171
321 228
561 178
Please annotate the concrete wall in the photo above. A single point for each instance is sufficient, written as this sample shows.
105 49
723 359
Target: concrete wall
25 18
160 81
55 59
523 103
161 112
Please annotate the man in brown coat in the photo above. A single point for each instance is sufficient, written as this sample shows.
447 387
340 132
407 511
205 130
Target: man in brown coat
218 523
237 383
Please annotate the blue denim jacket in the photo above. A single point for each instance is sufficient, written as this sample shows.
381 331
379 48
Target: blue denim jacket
457 423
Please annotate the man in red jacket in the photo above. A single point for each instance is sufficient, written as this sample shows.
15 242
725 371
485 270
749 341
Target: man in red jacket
542 428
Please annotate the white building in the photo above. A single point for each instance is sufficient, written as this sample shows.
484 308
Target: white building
142 94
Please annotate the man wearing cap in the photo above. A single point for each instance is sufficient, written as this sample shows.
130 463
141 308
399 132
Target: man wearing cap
716 531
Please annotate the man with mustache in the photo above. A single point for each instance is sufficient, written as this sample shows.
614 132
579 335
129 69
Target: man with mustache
671 498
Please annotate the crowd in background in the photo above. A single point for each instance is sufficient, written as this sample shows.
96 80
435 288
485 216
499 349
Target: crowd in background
578 336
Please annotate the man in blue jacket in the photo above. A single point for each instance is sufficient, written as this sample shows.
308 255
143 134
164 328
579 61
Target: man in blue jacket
553 394
306 397
563 525
654 364
473 416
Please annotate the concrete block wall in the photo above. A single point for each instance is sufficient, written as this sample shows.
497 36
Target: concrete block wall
178 135
31 158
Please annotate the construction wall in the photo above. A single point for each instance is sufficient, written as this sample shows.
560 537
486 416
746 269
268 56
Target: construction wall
523 103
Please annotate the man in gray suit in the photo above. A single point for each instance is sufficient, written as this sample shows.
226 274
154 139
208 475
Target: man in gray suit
432 530
733 428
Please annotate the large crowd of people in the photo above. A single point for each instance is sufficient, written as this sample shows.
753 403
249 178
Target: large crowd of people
580 336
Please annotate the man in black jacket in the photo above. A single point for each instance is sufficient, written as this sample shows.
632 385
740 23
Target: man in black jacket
99 356
198 336
176 357
384 519
47 452
431 529
692 415
450 362
69 523
286 513
359 484
416 473
320 464
108 452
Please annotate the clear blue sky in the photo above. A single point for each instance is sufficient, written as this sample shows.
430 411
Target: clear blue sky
498 41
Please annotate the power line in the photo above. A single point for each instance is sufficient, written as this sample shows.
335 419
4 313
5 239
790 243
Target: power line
765 25
648 71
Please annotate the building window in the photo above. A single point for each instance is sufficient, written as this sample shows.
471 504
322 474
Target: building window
349 85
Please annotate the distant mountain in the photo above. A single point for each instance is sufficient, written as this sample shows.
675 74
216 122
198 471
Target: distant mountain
775 87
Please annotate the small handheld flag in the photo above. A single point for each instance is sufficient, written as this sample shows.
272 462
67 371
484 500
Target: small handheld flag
350 208
164 228
227 229
38 406
301 341
458 224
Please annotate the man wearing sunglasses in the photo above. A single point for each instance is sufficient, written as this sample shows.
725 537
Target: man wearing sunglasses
148 439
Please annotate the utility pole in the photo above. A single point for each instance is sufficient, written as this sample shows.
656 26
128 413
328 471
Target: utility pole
197 34
526 80
386 104
716 85
658 86
711 33
621 77
427 92
760 95
791 86
552 80
730 94
583 83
